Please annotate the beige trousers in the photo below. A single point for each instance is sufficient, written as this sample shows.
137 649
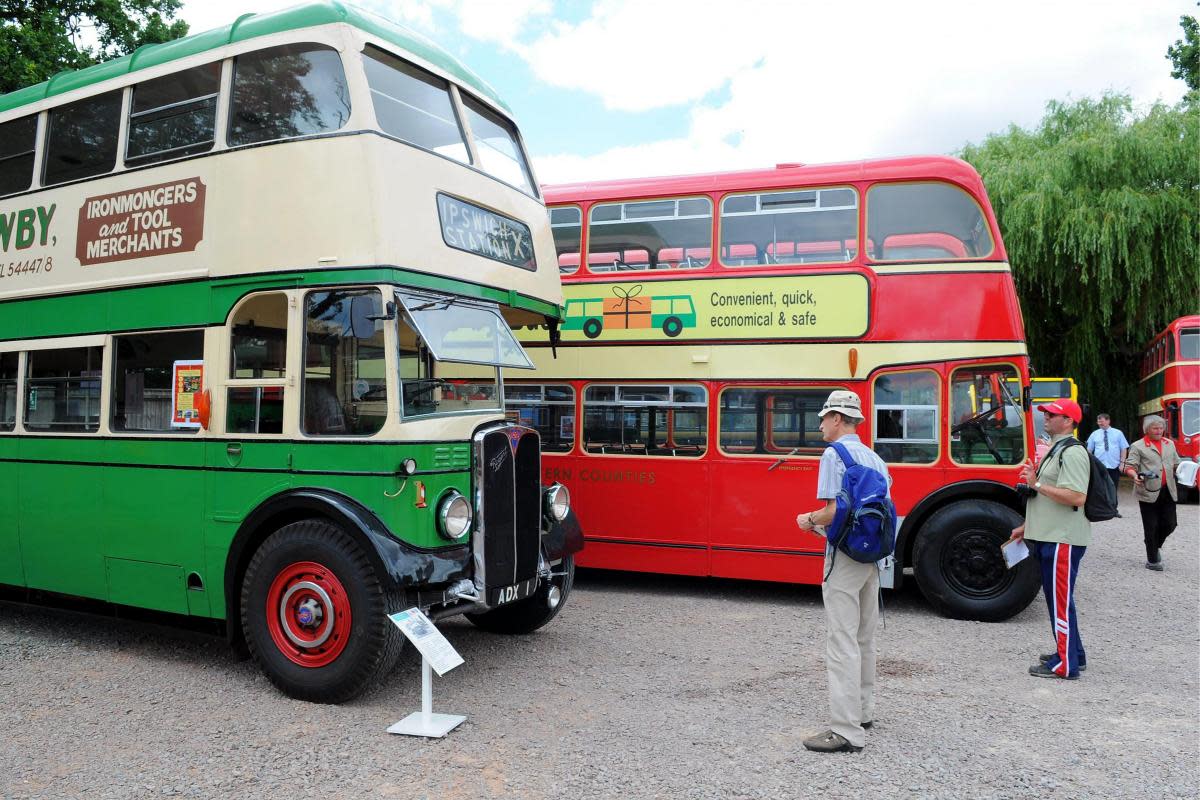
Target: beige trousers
851 595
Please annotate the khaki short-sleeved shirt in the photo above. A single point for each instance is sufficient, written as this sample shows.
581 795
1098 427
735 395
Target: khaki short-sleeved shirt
1048 521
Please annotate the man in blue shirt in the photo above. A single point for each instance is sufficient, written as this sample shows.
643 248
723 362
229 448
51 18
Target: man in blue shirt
1110 446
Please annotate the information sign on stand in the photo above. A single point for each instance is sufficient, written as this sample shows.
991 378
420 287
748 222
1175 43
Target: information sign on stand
437 654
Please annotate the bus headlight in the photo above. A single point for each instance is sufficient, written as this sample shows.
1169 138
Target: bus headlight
556 502
454 516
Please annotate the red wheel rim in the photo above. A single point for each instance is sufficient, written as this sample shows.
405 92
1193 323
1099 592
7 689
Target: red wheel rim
308 614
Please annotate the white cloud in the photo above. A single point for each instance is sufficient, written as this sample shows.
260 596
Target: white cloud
641 55
851 82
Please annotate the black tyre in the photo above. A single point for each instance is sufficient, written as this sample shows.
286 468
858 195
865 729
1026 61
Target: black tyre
526 616
314 614
592 328
958 565
672 326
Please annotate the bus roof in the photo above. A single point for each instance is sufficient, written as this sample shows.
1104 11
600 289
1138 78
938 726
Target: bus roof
249 26
782 176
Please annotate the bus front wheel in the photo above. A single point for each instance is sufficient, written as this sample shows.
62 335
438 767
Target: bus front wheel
672 326
526 616
314 614
592 328
959 567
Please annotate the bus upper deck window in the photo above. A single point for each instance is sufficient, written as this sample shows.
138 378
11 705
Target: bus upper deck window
290 90
497 145
413 105
174 115
566 225
797 226
82 138
1189 344
925 222
17 143
650 235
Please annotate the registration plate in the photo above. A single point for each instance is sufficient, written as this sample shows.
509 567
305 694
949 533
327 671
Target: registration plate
507 594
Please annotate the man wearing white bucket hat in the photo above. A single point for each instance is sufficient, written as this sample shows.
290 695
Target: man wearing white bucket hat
850 590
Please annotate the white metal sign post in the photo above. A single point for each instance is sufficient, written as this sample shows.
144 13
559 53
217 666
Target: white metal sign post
436 654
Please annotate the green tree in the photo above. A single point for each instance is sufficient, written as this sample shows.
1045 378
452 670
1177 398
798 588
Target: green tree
1099 209
1185 54
39 38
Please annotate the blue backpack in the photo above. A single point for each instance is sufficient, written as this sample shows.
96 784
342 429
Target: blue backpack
864 525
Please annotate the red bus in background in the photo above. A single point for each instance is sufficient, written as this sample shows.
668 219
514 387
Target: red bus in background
707 319
1170 384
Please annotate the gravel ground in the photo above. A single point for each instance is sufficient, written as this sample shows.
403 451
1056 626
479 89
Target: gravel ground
643 687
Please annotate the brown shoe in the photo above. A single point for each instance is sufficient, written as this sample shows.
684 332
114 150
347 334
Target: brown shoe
829 742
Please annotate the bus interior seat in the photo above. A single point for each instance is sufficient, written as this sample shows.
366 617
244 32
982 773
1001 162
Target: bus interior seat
323 411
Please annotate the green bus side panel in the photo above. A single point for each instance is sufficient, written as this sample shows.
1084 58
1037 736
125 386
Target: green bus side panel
11 570
60 508
154 513
242 476
416 526
138 583
199 303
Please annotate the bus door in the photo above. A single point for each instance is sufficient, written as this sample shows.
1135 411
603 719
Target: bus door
770 446
906 432
986 419
252 459
641 486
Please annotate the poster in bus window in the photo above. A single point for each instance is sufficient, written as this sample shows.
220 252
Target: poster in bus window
566 427
188 381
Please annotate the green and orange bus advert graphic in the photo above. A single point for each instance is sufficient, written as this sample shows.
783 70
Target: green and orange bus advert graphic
806 307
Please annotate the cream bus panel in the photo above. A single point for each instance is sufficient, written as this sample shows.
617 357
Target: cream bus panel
819 361
336 201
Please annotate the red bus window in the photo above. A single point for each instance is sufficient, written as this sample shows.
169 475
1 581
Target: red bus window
906 417
650 234
566 225
986 424
1189 344
926 221
798 226
647 420
772 421
550 409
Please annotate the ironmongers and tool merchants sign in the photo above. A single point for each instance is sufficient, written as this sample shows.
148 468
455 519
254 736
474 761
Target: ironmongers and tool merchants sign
138 223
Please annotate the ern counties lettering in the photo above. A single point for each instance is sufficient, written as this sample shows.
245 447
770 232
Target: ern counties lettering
759 309
598 475
148 221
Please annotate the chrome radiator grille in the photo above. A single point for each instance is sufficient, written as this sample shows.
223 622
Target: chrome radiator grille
508 507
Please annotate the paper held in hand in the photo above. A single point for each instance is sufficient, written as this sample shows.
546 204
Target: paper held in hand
1015 551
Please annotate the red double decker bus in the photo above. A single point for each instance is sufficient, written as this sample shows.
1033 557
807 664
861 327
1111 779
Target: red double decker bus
707 318
1170 383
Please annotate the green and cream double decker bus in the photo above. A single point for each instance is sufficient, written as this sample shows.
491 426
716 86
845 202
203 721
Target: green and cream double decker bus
257 289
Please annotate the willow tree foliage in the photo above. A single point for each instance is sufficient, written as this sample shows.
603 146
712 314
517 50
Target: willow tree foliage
1099 207
39 38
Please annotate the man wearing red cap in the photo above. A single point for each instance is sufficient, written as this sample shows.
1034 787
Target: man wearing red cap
1058 533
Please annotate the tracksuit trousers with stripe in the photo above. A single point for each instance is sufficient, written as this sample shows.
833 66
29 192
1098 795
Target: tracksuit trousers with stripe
1060 565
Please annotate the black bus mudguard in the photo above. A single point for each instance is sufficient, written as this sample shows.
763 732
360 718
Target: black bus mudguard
963 490
562 538
406 566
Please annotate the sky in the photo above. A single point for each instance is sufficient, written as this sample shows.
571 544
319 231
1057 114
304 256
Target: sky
634 88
